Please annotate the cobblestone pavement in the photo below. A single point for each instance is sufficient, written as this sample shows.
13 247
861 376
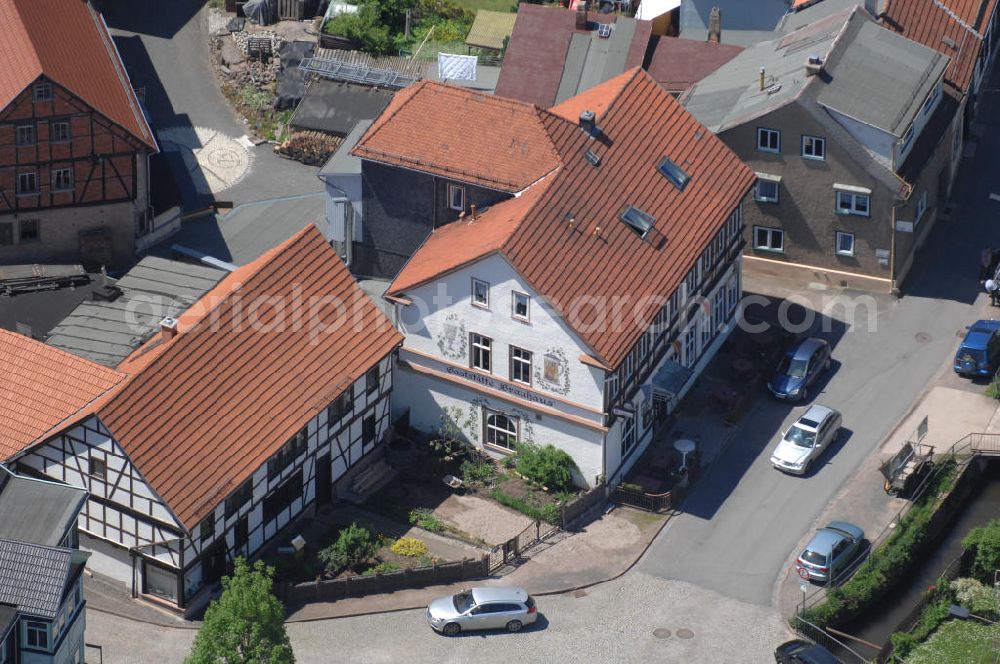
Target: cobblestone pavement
638 618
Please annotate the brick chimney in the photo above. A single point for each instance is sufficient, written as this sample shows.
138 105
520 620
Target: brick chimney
715 25
168 329
581 15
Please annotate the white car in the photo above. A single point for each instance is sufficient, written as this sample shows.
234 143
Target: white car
805 439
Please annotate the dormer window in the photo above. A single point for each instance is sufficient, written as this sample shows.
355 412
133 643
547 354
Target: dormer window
42 92
674 173
637 220
456 197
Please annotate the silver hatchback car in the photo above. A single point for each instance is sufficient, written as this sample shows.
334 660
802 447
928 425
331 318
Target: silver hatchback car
482 608
830 553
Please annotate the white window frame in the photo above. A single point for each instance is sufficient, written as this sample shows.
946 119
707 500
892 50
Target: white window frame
52 132
26 135
62 174
21 190
488 427
522 359
42 92
921 207
480 346
815 141
853 198
836 247
771 234
760 197
765 146
514 297
485 303
459 204
628 435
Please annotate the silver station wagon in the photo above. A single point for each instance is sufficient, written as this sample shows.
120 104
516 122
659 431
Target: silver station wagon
482 608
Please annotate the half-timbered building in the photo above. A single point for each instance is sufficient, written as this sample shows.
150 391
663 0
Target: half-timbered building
74 141
251 408
579 311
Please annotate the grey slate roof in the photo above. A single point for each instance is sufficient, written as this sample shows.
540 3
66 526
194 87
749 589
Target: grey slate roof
107 332
731 95
342 162
794 20
879 77
870 74
744 22
590 61
33 577
37 511
336 106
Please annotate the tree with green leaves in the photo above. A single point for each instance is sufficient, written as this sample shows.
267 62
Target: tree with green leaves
246 625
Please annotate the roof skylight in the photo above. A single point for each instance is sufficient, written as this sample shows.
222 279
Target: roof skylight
637 220
674 173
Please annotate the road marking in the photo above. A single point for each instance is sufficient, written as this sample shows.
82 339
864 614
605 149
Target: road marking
995 197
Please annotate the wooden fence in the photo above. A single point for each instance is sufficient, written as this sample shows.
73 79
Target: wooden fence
358 586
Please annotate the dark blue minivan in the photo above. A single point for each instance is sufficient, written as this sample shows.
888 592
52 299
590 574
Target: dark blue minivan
979 354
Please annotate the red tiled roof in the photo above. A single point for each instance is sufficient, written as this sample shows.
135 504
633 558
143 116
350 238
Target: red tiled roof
678 63
43 387
67 41
926 22
205 409
597 256
514 153
536 53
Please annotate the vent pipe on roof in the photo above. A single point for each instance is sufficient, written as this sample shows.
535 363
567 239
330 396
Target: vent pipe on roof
473 209
168 329
814 65
588 122
581 15
761 79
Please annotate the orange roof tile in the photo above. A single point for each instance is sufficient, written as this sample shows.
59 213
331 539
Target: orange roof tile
43 388
205 409
955 32
514 153
598 257
67 41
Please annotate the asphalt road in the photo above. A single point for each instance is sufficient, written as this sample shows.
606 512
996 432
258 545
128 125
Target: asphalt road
743 520
164 46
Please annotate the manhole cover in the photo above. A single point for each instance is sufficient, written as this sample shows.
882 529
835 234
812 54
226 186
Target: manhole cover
661 633
579 593
685 633
922 337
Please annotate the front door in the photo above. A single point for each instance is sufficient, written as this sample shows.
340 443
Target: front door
324 480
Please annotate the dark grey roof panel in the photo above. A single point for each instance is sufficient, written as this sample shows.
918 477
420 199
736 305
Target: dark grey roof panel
336 107
33 577
37 511
343 162
576 59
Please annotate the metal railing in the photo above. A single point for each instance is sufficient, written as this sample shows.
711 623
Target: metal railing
344 71
818 635
511 551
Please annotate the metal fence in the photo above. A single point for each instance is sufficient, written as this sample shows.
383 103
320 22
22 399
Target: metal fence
572 511
843 651
511 551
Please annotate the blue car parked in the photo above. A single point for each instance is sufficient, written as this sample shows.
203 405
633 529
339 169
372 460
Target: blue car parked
979 354
799 369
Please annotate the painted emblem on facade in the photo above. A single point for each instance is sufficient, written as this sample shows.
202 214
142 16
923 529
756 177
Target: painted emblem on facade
453 342
553 374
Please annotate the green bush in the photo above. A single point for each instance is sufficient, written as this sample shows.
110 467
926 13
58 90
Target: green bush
985 544
548 512
977 597
477 472
424 518
354 546
887 564
547 465
382 568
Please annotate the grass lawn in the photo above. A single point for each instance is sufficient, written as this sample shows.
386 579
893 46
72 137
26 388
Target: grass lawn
959 642
495 5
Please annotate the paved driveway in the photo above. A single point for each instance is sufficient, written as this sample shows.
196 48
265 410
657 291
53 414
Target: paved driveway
165 48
